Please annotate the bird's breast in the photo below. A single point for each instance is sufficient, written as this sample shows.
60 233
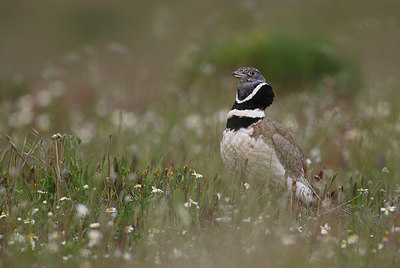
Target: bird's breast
244 155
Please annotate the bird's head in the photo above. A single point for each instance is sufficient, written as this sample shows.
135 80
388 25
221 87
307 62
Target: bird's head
248 79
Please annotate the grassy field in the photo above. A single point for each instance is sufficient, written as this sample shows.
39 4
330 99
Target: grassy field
109 153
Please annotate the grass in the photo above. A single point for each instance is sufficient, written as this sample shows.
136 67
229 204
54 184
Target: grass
222 223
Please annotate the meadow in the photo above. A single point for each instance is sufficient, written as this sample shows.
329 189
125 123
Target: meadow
109 151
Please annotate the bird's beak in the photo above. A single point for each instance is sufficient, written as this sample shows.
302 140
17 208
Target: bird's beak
237 74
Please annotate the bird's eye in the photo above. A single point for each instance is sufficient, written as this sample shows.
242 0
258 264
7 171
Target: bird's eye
252 73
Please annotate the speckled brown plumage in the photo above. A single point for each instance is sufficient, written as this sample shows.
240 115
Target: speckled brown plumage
282 141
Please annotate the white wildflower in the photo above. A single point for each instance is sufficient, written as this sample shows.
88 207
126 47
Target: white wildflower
387 209
111 210
190 203
94 237
362 191
94 225
129 229
197 175
156 190
223 219
325 229
247 220
352 239
82 211
56 136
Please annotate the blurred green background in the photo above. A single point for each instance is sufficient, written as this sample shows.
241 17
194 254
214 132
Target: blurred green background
159 33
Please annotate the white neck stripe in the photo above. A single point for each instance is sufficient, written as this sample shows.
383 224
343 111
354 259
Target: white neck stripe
252 93
256 113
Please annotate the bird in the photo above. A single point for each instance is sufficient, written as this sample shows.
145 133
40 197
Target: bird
253 145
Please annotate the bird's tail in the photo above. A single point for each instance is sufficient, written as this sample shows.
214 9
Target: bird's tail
302 191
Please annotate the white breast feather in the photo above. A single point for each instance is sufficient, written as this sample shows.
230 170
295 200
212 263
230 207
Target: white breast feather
238 147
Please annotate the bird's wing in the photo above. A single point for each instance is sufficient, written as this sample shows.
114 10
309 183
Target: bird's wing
284 146
289 155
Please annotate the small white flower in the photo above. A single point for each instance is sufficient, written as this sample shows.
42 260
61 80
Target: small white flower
85 252
85 186
56 136
352 239
29 220
362 191
31 237
94 238
153 230
41 192
138 186
325 229
44 202
246 185
198 175
223 219
34 210
177 253
111 210
387 209
82 210
385 170
156 190
19 219
127 256
129 229
50 214
247 220
395 229
343 244
94 225
3 215
64 198
190 203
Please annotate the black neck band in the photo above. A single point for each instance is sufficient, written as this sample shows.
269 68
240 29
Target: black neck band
236 122
261 100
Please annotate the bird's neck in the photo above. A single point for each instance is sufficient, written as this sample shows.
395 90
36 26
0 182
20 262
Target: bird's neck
250 110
